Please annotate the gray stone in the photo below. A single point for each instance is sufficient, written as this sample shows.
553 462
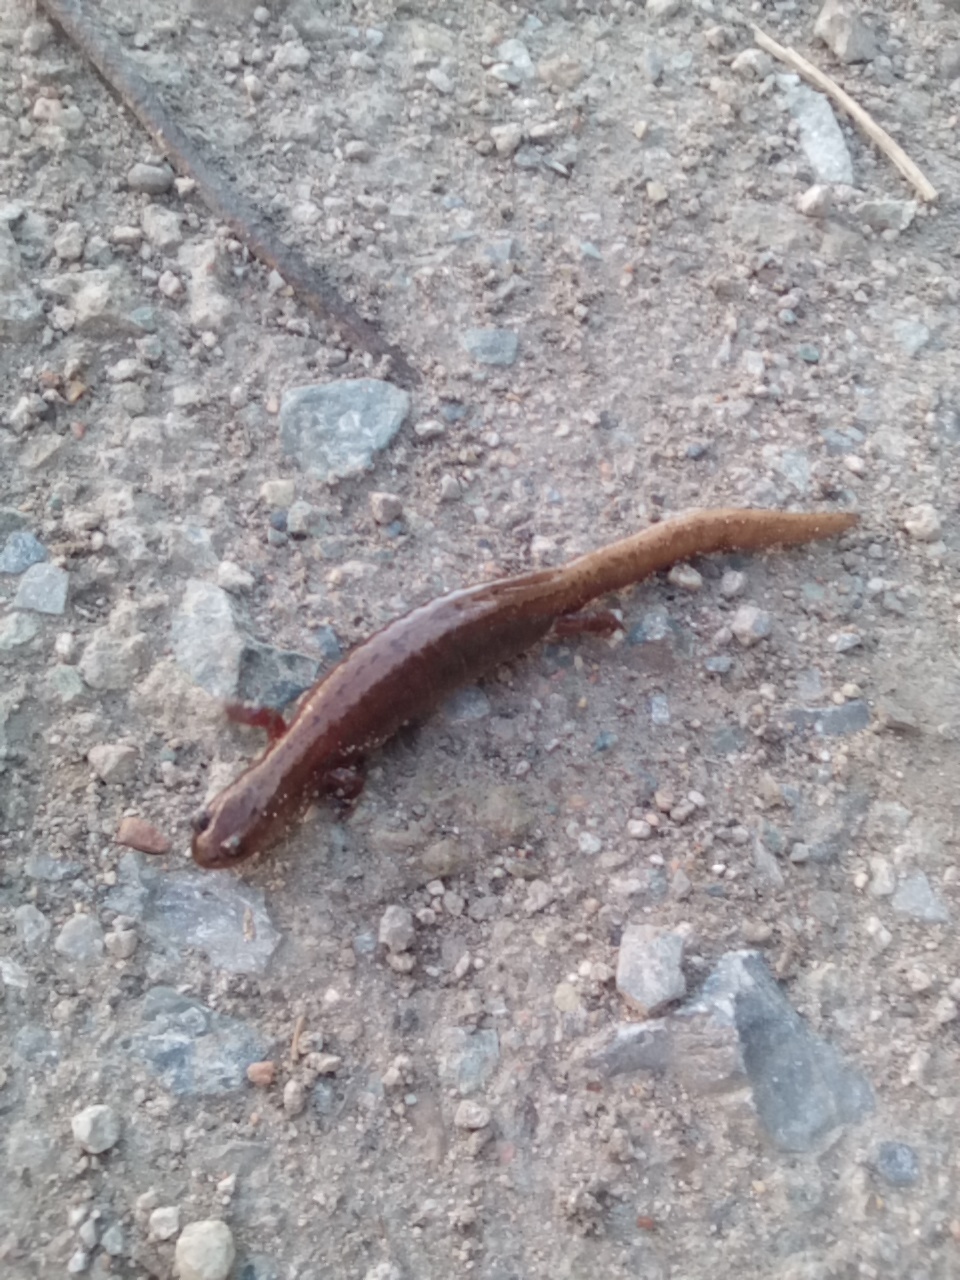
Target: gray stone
114 761
211 910
821 137
950 62
507 137
41 866
491 346
911 335
21 312
10 519
96 1128
68 242
396 931
841 28
897 1163
205 1250
636 1046
335 430
189 1048
16 630
112 1240
802 1089
471 1115
152 179
97 300
20 551
832 721
649 968
886 215
33 927
751 624
43 589
468 1058
112 661
272 677
206 642
916 898
80 940
161 228
742 1031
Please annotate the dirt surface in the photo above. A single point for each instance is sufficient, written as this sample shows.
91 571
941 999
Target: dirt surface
434 980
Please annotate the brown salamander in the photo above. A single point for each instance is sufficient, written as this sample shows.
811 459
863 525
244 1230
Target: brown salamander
402 672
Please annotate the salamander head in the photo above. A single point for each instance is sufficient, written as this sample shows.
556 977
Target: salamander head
229 830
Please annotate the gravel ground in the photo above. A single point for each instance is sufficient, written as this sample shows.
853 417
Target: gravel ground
639 958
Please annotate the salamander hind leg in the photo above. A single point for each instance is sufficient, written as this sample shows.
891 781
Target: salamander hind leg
343 784
258 718
598 622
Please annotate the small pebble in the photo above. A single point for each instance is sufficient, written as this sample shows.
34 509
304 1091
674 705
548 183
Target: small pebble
80 939
20 551
232 578
397 931
96 1128
507 137
262 1074
815 202
294 1097
137 833
43 588
385 507
733 583
32 926
923 523
471 1115
750 624
205 1251
152 179
449 488
897 1164
164 1222
685 577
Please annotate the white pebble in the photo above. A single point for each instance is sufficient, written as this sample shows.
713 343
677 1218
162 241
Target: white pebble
922 522
205 1251
471 1115
96 1128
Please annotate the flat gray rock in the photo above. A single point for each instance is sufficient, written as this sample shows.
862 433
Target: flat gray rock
20 551
43 589
914 897
335 430
741 1030
272 677
491 346
209 910
190 1048
820 135
650 968
206 642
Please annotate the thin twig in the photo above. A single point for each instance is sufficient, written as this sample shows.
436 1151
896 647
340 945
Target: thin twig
298 1026
223 202
879 136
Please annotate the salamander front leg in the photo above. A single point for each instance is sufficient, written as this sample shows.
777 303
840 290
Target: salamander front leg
598 622
258 718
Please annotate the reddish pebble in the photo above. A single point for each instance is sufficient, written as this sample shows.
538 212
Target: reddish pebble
262 1074
137 833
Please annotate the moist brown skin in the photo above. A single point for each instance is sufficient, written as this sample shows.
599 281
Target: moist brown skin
400 673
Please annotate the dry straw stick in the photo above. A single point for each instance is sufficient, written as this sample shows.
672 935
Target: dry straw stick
925 189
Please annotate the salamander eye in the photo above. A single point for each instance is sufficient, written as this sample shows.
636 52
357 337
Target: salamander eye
200 821
231 846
